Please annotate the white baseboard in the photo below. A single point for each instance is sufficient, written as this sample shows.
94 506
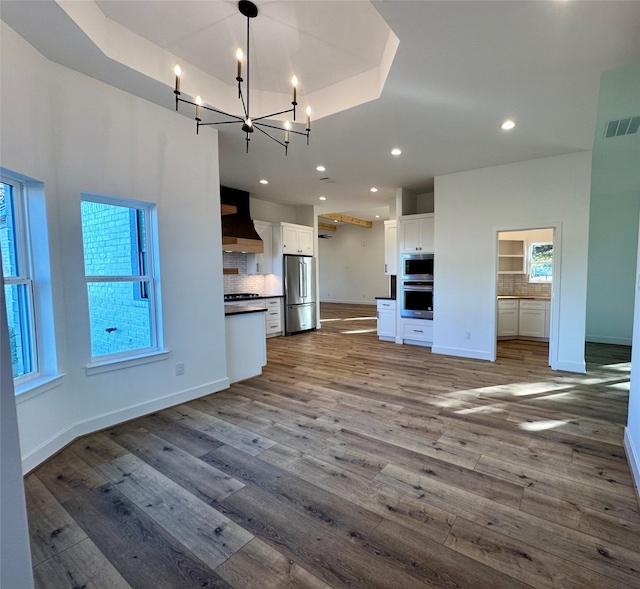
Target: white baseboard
602 339
462 352
634 461
579 367
93 424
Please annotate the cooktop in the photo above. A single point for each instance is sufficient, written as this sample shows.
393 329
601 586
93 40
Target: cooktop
234 296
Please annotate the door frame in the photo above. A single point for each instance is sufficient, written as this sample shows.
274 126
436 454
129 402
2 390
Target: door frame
554 327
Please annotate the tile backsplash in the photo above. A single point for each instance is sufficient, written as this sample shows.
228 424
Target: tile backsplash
241 282
518 284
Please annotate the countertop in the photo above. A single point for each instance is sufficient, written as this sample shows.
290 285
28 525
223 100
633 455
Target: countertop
526 297
237 310
256 298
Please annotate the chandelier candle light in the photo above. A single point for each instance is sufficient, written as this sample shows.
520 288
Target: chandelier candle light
250 10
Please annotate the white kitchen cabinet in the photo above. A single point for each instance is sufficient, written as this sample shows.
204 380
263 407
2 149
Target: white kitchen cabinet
508 315
416 233
391 248
294 239
273 316
386 319
511 256
262 263
417 331
532 317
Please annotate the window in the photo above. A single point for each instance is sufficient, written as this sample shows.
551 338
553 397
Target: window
121 282
540 262
16 269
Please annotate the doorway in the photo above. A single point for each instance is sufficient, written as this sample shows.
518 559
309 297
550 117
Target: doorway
527 269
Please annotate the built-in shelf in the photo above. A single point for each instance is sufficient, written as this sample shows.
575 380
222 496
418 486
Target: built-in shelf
230 271
511 256
228 210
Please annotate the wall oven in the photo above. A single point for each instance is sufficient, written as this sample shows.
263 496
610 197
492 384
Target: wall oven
417 267
416 299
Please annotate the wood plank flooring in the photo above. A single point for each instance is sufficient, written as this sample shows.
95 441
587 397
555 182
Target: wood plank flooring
355 464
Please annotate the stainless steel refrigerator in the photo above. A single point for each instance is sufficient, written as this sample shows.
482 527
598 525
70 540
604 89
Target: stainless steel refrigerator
299 294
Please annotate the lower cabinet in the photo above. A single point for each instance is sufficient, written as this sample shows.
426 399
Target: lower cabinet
386 319
508 318
417 331
523 318
273 316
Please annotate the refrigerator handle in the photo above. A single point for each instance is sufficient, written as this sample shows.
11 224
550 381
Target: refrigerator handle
304 265
301 278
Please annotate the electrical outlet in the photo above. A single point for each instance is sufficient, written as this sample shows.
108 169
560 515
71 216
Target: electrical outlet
180 369
467 335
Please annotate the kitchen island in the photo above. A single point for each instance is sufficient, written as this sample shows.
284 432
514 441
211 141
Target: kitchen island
246 341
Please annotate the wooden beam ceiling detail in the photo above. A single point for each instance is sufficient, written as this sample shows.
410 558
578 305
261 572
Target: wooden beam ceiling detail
327 226
348 219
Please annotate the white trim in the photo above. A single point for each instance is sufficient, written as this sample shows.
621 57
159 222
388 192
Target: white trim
463 353
127 362
579 367
603 339
37 386
634 461
58 441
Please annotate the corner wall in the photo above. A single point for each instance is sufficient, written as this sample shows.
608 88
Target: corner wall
471 207
615 209
77 135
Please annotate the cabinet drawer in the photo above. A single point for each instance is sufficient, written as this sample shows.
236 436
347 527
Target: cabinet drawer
386 305
418 330
273 314
272 303
508 304
273 326
536 305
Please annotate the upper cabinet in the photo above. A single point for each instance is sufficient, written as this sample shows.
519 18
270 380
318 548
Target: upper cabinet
293 239
416 234
391 247
262 263
511 256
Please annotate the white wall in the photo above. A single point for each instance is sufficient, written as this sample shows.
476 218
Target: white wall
351 272
262 210
615 207
632 431
15 553
76 135
472 207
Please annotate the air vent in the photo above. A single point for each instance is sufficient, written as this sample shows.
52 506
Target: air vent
325 236
627 126
327 180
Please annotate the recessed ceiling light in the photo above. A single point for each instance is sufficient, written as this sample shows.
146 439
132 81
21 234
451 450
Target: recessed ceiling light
374 189
321 168
264 181
396 151
335 220
377 216
508 125
323 198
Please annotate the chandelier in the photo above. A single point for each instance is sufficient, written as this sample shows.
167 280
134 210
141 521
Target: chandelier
249 125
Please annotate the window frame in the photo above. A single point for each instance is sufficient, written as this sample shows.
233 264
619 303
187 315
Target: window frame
151 277
24 257
531 263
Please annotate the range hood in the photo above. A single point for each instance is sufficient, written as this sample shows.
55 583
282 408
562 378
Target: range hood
238 232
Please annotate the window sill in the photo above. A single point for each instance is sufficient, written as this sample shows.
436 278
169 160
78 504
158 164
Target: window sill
128 362
37 386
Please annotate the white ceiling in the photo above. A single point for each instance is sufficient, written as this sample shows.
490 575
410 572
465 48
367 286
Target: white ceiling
461 69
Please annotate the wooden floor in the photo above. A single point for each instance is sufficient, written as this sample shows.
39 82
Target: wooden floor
355 463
